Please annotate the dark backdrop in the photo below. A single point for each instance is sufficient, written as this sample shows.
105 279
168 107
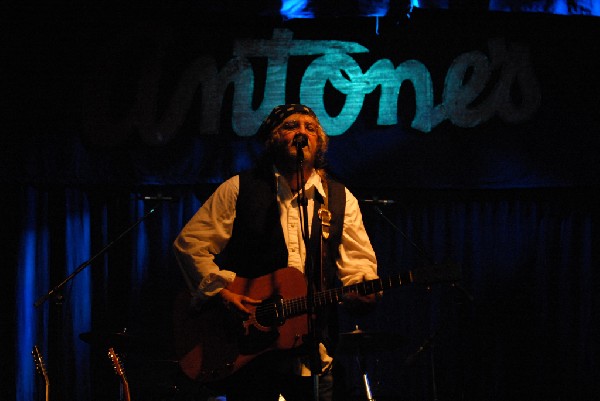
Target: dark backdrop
513 202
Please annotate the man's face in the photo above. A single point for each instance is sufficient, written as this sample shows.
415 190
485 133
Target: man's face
299 124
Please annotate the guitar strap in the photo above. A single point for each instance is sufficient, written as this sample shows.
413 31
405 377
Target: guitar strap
325 217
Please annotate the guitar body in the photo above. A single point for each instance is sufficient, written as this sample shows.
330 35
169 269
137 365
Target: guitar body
215 341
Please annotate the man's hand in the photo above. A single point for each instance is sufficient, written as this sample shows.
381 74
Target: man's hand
237 300
360 304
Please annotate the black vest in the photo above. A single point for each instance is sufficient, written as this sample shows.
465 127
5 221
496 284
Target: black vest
257 245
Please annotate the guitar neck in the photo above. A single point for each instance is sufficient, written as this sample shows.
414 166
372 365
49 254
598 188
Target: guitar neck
426 275
126 394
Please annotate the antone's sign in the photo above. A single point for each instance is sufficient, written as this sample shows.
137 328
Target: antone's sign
477 87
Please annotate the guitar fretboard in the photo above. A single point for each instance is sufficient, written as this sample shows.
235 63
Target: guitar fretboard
298 306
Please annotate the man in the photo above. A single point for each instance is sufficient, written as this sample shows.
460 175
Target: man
265 219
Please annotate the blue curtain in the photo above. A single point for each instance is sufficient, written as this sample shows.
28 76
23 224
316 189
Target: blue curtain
522 325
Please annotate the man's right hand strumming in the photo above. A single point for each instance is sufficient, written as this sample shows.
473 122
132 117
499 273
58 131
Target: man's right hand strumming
230 298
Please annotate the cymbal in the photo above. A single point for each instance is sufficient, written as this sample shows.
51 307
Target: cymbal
109 339
363 341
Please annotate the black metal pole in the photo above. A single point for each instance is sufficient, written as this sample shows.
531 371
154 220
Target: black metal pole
314 356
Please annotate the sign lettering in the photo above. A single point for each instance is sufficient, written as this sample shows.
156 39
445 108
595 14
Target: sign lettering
477 87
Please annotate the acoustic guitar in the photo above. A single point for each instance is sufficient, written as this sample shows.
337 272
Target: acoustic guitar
215 341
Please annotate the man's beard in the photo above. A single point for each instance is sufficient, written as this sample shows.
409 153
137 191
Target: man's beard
287 160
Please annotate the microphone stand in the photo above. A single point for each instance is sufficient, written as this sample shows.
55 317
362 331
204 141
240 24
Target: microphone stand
429 343
56 293
314 356
420 251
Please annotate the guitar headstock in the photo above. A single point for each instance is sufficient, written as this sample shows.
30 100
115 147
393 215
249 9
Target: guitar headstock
39 363
116 361
120 371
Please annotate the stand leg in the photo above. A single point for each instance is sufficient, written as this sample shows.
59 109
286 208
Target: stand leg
367 387
365 378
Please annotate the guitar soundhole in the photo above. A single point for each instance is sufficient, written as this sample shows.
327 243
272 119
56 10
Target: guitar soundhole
268 315
270 312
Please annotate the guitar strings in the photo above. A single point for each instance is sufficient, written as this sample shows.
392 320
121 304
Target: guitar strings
297 306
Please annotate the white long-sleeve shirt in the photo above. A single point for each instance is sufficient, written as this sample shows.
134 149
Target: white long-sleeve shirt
209 230
207 233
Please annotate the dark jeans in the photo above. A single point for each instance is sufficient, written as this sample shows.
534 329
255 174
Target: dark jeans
271 374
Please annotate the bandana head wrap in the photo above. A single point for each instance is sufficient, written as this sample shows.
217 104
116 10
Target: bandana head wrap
279 114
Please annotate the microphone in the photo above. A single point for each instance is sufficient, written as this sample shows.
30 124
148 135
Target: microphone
158 197
300 140
376 201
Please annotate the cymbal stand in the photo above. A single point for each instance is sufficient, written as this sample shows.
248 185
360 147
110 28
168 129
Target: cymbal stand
433 378
360 360
362 367
428 345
